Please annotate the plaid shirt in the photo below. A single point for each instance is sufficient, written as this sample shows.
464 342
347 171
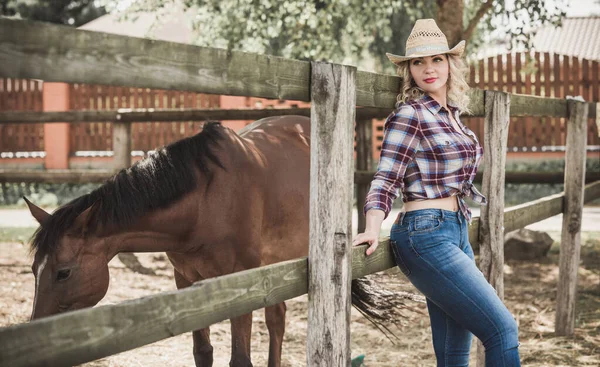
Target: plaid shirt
425 157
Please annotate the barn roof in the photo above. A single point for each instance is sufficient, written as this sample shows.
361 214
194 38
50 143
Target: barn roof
578 36
175 26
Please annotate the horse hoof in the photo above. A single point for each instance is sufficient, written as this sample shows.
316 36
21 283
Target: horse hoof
203 360
240 362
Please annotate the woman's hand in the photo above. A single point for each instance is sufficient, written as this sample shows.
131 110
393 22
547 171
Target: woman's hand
370 238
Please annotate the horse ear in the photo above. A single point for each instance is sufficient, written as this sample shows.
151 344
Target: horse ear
82 221
38 213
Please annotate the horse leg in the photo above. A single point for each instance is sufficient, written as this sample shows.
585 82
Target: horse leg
275 319
203 350
241 330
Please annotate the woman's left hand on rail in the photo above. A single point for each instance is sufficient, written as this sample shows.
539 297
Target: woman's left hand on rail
370 238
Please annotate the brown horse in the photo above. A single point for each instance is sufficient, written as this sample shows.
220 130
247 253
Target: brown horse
216 203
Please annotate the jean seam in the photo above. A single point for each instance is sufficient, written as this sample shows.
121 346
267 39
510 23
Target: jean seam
446 343
433 268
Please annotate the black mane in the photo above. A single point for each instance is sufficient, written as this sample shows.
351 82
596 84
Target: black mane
149 184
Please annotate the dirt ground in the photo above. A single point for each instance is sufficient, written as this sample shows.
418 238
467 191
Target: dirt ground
530 291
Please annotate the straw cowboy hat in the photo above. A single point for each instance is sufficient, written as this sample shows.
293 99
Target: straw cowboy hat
426 39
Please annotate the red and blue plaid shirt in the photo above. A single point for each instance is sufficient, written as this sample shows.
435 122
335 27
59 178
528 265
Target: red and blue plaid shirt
425 157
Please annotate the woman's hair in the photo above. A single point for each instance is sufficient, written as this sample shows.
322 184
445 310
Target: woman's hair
457 84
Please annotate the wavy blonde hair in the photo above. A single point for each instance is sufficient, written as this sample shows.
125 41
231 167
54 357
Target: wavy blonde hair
457 84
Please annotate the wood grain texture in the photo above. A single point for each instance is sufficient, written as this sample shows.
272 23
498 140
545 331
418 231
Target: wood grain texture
55 176
36 50
330 261
491 223
364 162
121 134
491 228
89 334
151 115
570 244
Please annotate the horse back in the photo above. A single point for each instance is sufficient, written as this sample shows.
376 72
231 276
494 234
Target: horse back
284 144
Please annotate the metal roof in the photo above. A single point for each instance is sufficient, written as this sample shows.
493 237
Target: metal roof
578 36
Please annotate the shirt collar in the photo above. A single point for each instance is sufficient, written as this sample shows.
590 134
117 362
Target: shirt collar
434 107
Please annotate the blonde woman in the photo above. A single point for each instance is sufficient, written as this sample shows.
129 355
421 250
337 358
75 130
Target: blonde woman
431 157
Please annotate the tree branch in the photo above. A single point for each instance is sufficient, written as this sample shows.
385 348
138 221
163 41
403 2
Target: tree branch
485 7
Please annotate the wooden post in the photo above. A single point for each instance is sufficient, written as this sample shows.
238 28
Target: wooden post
364 161
333 99
121 144
491 228
570 241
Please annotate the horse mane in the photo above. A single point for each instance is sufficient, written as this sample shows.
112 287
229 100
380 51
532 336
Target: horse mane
149 184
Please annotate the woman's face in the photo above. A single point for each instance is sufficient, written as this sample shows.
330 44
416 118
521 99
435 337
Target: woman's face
430 73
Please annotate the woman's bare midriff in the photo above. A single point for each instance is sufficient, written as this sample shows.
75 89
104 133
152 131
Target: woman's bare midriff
449 203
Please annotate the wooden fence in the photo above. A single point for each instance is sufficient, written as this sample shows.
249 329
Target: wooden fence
21 95
97 136
544 75
541 74
89 334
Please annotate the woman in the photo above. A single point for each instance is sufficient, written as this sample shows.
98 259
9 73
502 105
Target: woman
432 158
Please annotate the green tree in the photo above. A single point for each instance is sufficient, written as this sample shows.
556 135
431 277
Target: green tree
346 31
70 12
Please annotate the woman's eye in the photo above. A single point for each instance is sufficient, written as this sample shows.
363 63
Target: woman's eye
438 59
63 274
416 62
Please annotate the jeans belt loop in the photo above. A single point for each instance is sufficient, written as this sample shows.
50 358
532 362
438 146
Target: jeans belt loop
401 218
442 214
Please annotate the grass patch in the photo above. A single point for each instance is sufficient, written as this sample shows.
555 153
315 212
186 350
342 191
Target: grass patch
16 234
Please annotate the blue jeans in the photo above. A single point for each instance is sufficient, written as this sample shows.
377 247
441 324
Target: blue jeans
431 247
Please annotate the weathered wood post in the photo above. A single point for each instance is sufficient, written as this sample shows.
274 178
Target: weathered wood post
364 162
570 240
491 228
333 99
121 144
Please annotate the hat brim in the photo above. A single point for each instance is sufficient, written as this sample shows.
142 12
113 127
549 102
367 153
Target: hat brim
457 50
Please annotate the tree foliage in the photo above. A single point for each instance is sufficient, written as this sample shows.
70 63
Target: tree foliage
70 12
348 31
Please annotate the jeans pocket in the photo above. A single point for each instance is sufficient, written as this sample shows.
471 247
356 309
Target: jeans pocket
403 268
426 223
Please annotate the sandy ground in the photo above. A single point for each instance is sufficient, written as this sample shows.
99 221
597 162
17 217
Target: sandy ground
530 291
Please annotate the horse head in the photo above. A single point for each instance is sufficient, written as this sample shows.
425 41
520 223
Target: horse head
70 265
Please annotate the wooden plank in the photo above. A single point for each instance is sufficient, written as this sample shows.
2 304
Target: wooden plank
89 334
121 145
332 136
557 84
528 129
522 215
55 176
364 161
521 137
526 105
151 114
51 52
491 226
541 126
570 243
595 84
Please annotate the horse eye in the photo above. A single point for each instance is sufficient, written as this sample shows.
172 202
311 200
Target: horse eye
63 274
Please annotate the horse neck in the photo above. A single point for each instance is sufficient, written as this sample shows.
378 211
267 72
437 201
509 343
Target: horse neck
159 231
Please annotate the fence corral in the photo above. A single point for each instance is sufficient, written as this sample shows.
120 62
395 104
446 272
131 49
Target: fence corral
103 331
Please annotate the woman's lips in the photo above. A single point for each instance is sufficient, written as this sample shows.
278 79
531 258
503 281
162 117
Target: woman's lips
430 80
